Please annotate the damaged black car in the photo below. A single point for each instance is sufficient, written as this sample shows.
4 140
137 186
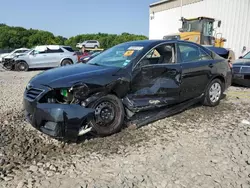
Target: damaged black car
165 76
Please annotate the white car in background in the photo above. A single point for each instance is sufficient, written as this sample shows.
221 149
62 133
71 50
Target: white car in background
46 56
88 44
13 53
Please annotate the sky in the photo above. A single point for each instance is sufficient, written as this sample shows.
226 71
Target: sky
71 17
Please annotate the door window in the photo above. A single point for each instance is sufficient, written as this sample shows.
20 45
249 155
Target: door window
19 51
59 50
191 53
163 54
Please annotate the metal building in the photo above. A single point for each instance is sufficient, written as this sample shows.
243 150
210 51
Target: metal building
234 14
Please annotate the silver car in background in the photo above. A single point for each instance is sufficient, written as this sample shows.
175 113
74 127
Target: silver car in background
13 53
88 44
47 56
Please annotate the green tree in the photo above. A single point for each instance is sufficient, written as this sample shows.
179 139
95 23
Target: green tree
17 37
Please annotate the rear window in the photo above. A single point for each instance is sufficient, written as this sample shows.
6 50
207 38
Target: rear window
68 49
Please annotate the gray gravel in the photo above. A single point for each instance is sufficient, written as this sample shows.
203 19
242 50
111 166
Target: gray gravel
201 147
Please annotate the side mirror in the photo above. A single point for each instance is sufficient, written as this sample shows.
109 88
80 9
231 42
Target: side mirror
240 57
219 23
181 30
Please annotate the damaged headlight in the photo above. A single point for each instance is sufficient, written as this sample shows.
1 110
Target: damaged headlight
80 91
58 96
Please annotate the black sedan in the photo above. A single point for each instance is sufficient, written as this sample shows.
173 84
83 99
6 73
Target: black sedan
127 79
241 71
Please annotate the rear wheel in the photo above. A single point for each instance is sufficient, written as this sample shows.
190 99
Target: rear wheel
109 115
213 93
22 66
66 62
96 46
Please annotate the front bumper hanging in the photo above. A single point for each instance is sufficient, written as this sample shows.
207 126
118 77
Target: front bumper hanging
60 121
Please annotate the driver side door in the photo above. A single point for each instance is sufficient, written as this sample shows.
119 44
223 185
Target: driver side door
156 78
39 59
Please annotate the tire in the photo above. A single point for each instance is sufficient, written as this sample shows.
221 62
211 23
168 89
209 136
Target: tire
22 66
96 46
213 93
66 62
109 107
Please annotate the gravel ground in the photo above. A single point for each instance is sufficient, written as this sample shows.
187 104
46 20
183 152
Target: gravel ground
201 147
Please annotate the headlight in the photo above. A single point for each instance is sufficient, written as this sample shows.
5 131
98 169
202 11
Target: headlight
80 91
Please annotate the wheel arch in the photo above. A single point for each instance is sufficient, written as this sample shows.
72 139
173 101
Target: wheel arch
222 79
21 60
66 58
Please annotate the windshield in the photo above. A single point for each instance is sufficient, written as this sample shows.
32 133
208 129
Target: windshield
117 56
247 56
193 25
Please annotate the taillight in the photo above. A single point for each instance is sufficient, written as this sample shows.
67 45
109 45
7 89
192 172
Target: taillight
230 64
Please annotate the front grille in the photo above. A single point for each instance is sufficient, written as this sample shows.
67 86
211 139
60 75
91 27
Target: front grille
236 69
33 93
245 70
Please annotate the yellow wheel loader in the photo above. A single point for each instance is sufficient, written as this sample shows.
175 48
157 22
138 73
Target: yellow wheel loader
201 30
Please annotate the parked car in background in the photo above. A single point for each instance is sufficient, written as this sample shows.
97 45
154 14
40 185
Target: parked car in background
124 80
46 56
241 71
89 57
87 53
12 54
89 44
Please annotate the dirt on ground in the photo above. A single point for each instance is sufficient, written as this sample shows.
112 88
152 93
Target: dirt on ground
200 147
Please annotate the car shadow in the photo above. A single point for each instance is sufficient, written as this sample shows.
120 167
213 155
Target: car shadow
240 86
131 124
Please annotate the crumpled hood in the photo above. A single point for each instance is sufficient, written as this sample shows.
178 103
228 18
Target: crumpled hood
68 75
242 62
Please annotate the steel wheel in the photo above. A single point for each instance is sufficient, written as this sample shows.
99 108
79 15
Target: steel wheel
215 92
109 115
105 113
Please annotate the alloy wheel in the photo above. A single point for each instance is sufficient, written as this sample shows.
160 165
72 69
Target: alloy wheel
215 92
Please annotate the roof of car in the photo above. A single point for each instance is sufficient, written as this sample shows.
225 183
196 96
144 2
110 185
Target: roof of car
52 45
159 41
22 49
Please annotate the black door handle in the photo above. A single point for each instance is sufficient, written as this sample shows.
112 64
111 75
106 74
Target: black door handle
211 65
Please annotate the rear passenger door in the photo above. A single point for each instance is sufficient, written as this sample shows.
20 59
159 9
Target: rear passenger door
54 57
196 65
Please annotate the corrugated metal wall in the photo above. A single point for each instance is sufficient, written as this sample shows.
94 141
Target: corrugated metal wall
234 14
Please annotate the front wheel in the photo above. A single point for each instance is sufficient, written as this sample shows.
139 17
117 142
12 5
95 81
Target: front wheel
109 115
213 93
22 66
